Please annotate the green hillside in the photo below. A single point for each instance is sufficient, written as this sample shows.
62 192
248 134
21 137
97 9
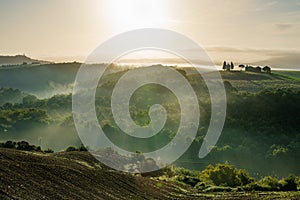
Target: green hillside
255 82
288 74
261 132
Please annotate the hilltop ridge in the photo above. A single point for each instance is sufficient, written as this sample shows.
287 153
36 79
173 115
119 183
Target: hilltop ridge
19 60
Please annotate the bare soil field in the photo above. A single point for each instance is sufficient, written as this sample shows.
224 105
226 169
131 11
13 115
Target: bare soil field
77 175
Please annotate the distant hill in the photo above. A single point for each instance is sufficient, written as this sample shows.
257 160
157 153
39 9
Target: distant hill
46 80
19 60
43 80
40 80
253 82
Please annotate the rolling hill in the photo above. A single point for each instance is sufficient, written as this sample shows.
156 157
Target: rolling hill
255 82
46 80
77 175
19 60
74 175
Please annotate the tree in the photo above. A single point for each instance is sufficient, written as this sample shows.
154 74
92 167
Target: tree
289 183
221 174
267 69
29 100
224 65
242 67
231 65
48 151
227 66
82 148
226 175
258 69
25 146
71 148
8 144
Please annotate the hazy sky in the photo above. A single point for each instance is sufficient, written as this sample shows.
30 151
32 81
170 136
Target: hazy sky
257 31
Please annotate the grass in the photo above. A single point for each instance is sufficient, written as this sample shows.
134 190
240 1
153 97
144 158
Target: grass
292 75
256 82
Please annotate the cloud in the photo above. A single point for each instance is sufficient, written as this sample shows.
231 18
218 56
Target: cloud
272 52
266 6
276 58
284 26
284 60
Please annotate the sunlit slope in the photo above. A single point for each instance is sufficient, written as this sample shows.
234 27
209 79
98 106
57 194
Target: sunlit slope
255 82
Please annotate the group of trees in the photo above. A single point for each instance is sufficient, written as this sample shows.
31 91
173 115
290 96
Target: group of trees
257 69
261 134
20 119
22 145
10 95
229 66
25 146
80 148
225 177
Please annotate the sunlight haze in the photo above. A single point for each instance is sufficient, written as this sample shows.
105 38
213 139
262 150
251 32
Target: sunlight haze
257 31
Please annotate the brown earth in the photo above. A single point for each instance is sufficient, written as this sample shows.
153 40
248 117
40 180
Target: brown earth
77 175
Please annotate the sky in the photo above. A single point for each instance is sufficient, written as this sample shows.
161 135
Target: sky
262 32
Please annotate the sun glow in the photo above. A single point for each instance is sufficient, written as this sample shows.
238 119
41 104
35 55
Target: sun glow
128 14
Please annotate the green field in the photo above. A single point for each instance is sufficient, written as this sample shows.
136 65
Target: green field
292 75
255 82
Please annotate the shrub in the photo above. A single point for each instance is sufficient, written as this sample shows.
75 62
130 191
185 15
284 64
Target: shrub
203 185
219 189
25 146
8 144
71 148
48 151
254 186
289 184
244 177
269 183
226 175
168 171
82 148
189 180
